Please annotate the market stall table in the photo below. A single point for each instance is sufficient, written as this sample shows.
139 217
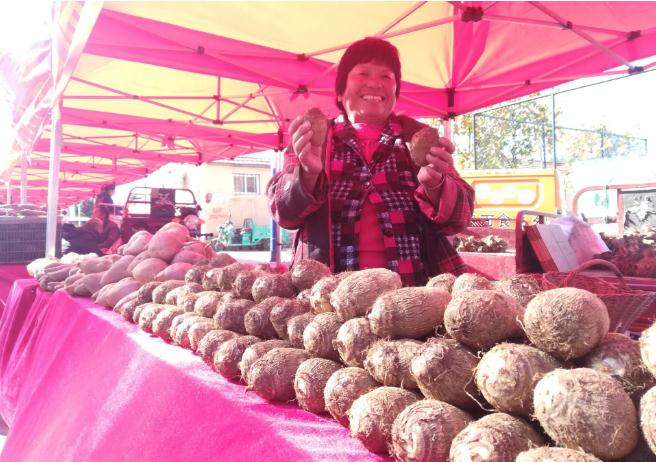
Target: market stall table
84 384
8 274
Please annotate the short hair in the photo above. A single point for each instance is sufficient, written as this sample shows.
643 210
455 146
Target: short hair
369 49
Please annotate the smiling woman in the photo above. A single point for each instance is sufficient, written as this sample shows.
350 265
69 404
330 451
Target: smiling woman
357 198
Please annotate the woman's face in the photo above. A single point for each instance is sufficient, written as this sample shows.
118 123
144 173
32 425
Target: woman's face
370 93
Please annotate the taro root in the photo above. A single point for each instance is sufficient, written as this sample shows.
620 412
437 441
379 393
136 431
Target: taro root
272 376
371 416
648 418
442 281
444 370
145 292
306 273
409 312
521 287
343 388
257 321
310 382
423 431
196 273
230 315
210 280
227 274
586 409
495 437
273 285
357 292
648 348
420 145
162 322
211 342
467 282
566 323
320 333
179 320
283 312
149 314
321 291
158 294
482 318
221 259
619 356
197 333
507 375
207 302
188 301
547 454
243 285
127 310
304 295
193 325
318 124
255 352
179 295
228 356
388 361
295 328
354 338
180 330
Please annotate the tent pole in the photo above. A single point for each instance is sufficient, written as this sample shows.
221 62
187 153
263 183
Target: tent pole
55 144
8 192
23 179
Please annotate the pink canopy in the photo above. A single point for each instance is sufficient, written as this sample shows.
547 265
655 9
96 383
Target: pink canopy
195 82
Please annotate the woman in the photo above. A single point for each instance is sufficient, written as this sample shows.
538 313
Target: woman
358 201
105 195
109 234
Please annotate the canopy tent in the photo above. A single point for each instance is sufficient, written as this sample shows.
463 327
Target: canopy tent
194 82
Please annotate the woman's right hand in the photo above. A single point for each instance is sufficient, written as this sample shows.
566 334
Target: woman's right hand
309 156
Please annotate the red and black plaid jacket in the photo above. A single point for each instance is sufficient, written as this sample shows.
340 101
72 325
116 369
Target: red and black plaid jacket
327 218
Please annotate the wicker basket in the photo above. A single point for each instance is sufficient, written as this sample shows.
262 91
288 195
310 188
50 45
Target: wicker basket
624 305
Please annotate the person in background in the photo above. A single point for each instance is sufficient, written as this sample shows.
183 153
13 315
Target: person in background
359 201
110 233
84 239
105 194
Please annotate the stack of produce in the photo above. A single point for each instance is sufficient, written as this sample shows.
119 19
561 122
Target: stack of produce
462 369
634 254
490 243
23 210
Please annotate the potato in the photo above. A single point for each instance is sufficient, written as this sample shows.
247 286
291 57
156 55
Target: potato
546 454
257 321
357 292
295 328
424 430
521 287
442 281
230 315
648 418
283 312
306 273
420 145
320 333
482 318
444 370
619 356
342 388
507 375
371 416
566 323
318 124
255 352
354 338
272 376
648 348
495 437
228 356
388 361
310 382
211 342
583 408
273 285
409 312
467 282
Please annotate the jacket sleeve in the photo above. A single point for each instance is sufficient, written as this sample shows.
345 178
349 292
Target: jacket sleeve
290 202
110 236
453 209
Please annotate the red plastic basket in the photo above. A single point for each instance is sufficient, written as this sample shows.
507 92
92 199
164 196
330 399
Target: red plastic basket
624 305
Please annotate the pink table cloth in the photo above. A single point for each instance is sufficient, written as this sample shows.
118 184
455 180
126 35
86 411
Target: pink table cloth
8 274
88 386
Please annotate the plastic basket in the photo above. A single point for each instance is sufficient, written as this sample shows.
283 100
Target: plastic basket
24 239
624 305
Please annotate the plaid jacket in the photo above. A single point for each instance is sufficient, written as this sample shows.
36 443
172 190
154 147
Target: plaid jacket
327 218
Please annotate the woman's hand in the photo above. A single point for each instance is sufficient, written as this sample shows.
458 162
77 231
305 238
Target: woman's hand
309 156
439 162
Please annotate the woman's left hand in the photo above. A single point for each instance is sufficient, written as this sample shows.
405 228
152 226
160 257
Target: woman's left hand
439 162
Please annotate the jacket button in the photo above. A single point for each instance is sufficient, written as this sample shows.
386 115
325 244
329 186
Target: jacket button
387 232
